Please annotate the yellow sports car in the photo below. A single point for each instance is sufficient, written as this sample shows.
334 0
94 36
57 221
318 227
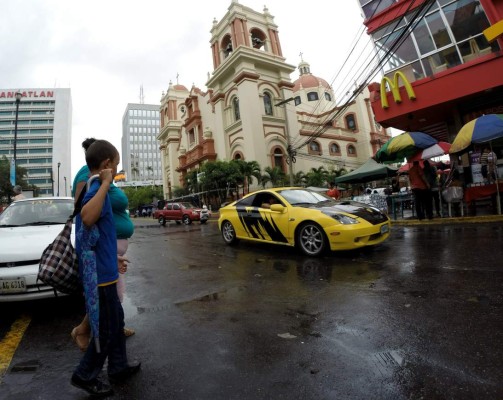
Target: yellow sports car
301 217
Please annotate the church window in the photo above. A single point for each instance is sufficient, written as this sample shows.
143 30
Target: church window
314 148
267 104
235 109
328 97
351 150
350 122
278 158
335 149
297 100
312 96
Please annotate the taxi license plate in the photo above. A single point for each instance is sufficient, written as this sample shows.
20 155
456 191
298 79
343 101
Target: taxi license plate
384 229
17 285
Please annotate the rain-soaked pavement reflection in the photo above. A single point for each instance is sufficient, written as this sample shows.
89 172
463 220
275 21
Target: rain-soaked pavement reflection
419 317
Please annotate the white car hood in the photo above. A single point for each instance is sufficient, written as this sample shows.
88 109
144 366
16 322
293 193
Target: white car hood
27 242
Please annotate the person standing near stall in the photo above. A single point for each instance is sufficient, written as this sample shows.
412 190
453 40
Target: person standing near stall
421 189
488 161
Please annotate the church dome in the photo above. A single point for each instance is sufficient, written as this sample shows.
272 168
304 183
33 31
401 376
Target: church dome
180 87
307 80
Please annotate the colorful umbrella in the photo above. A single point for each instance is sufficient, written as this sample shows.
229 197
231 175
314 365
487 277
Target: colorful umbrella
482 129
404 145
438 149
88 237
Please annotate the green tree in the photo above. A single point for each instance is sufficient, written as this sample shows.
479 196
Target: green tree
138 196
222 176
317 177
5 185
248 170
273 175
299 179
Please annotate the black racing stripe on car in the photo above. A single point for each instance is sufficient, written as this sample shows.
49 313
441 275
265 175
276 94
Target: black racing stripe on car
254 224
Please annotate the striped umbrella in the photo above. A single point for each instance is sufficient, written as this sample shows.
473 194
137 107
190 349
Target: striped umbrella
482 129
436 150
404 145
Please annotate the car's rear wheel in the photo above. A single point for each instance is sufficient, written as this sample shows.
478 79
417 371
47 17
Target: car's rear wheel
311 239
186 220
229 233
162 221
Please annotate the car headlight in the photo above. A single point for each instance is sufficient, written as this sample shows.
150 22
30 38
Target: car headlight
343 219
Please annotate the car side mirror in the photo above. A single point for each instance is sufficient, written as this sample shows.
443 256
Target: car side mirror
278 208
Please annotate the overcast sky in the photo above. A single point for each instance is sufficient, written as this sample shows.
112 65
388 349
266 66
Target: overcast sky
105 49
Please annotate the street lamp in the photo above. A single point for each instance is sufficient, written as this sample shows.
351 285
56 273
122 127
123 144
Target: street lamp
66 193
59 165
19 95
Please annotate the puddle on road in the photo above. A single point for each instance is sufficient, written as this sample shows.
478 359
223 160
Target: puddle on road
321 270
215 295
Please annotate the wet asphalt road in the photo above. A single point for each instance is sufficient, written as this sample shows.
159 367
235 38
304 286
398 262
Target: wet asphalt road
419 317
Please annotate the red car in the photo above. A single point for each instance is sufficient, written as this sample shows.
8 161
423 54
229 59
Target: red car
178 212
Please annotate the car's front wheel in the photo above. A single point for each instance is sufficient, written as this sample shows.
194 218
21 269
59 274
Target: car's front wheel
311 239
162 221
228 233
186 220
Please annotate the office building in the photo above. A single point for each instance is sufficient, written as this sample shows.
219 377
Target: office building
44 133
141 159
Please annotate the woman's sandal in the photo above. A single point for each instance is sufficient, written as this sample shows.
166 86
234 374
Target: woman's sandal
80 339
129 332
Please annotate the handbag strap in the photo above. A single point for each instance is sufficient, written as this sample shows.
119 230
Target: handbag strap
78 204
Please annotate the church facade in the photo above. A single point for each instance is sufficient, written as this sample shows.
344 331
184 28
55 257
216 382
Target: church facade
253 111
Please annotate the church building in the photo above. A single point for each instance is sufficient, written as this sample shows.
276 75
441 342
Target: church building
252 110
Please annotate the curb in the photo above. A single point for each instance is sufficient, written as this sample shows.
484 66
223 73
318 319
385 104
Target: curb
449 220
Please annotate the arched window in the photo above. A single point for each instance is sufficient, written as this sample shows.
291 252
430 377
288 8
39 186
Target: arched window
297 100
226 45
328 97
278 158
335 149
350 122
235 108
237 156
312 96
351 150
314 148
267 104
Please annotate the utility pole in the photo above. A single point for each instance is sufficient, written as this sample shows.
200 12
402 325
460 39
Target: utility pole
290 159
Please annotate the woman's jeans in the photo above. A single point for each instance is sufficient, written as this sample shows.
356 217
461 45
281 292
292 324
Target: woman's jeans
112 339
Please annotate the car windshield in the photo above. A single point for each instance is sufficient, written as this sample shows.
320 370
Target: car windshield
301 197
37 212
188 205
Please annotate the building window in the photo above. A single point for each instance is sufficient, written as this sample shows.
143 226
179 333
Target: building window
443 37
312 96
314 148
235 109
350 122
328 97
267 104
334 149
226 46
297 100
279 158
372 7
351 151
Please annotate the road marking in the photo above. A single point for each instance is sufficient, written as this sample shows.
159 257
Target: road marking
11 341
